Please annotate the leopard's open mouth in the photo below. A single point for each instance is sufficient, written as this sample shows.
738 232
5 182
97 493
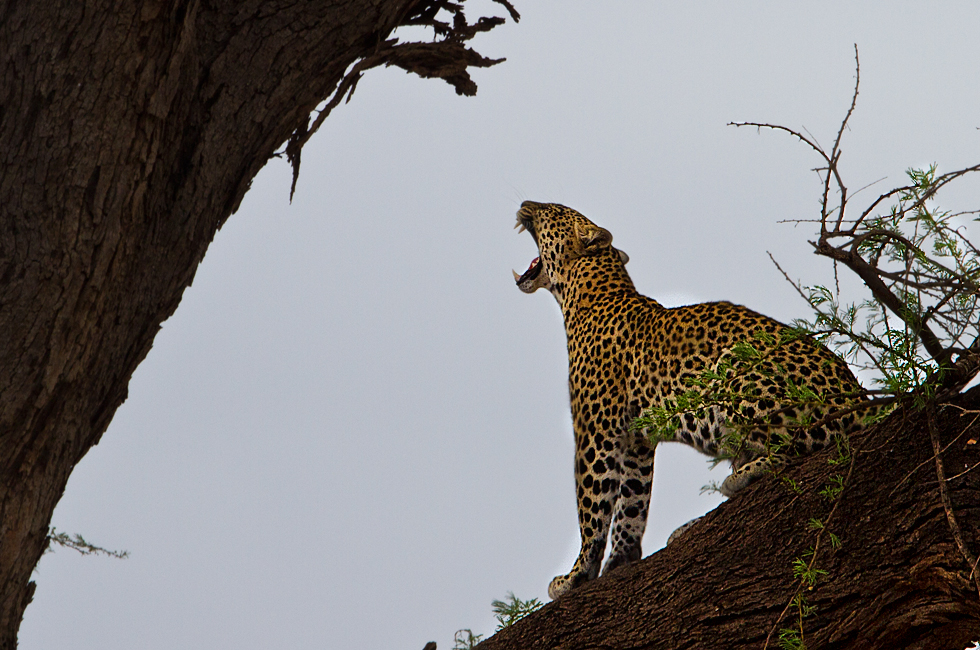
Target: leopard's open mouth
532 279
532 272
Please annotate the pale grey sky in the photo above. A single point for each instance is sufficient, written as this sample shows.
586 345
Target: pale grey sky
354 432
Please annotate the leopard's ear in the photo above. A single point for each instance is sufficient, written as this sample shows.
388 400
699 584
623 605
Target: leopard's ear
594 239
624 258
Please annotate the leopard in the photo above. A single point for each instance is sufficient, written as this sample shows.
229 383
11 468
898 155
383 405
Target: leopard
627 353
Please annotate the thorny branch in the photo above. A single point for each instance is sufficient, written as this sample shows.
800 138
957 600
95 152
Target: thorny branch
935 302
862 342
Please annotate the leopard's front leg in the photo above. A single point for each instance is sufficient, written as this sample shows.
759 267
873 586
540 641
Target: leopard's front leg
598 459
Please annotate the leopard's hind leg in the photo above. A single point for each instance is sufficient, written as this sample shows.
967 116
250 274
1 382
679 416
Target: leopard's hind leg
632 506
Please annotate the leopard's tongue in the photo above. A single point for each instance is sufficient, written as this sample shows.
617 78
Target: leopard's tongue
531 273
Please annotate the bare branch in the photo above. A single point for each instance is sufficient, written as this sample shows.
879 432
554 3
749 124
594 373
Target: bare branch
796 134
835 152
954 526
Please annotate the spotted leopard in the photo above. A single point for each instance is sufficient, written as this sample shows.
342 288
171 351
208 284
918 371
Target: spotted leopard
626 352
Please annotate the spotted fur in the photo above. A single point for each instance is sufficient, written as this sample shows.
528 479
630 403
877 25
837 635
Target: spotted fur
626 353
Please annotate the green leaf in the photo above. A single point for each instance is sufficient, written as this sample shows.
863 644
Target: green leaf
513 609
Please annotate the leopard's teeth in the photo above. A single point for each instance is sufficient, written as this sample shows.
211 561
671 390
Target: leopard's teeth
520 228
516 276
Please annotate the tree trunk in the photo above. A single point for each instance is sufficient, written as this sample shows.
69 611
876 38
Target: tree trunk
899 578
129 132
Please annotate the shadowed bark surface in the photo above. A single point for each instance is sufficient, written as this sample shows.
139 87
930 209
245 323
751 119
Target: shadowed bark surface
129 132
898 579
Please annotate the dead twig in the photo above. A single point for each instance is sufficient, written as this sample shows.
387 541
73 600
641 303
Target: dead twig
954 526
446 58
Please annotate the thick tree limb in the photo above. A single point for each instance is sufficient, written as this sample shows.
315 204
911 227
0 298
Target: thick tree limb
897 581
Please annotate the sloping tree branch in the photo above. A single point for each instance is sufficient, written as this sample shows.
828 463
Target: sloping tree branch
896 579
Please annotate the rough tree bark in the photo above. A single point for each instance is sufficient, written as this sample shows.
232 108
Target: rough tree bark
901 578
129 132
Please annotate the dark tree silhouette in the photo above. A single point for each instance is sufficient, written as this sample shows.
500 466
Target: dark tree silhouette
129 132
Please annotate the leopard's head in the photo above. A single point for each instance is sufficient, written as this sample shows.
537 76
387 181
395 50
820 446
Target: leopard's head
563 235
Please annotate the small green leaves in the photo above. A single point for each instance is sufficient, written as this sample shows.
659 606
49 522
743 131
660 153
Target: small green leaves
751 371
804 608
660 423
843 456
924 275
514 609
78 543
792 638
466 640
507 612
793 485
834 488
807 574
789 639
745 351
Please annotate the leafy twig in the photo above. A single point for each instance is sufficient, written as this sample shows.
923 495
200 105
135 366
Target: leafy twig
78 543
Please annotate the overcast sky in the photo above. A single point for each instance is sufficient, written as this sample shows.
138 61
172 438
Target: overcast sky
355 433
